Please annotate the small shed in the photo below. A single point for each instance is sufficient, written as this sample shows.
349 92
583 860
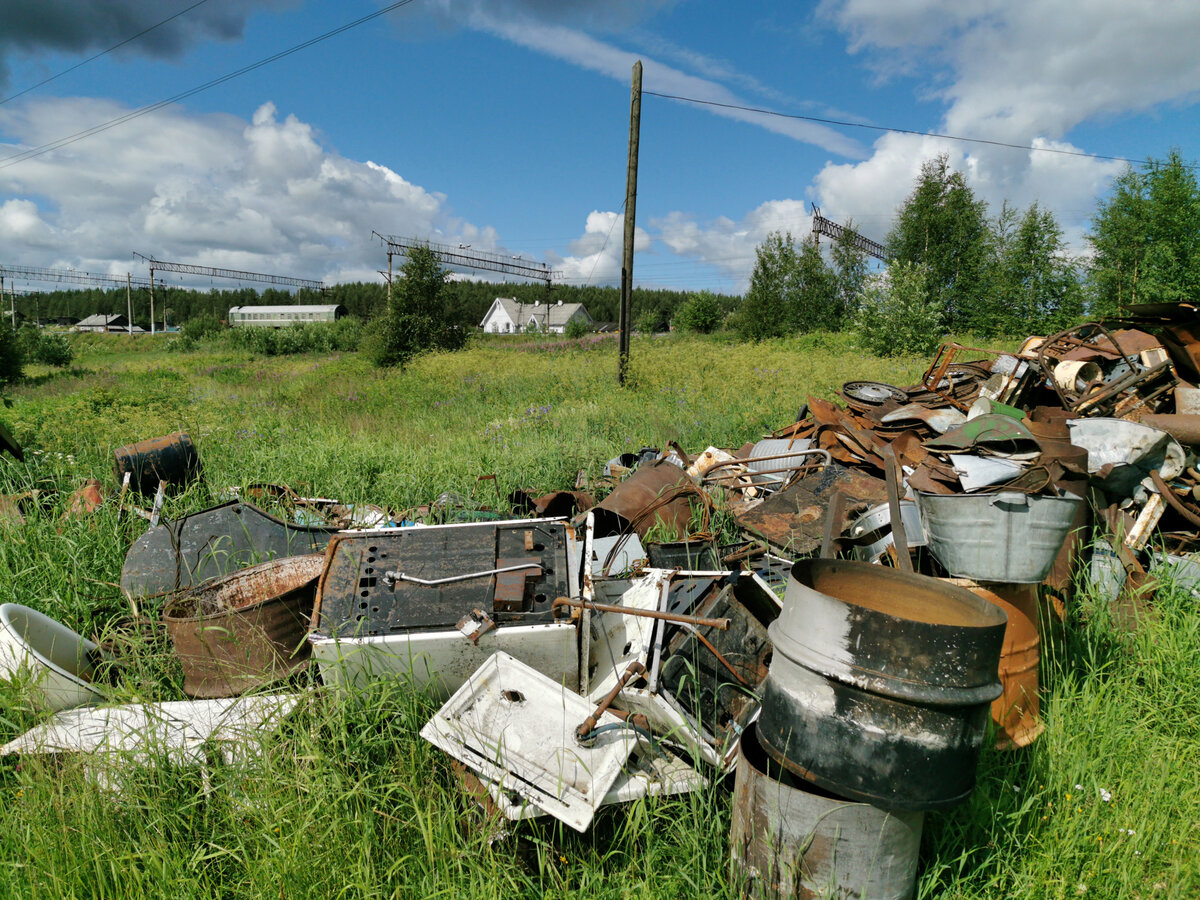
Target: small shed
281 316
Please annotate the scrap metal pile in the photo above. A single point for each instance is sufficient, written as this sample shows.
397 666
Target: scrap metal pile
841 660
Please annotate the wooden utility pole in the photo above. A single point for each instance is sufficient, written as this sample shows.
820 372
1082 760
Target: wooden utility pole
152 299
128 304
635 124
389 292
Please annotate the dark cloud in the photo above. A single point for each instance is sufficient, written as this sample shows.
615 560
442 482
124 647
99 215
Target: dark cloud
70 26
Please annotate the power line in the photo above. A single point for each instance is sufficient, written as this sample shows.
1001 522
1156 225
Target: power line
144 31
946 137
153 107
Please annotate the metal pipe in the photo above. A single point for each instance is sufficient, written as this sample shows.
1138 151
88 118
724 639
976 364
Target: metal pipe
717 653
586 726
392 577
816 451
1172 498
722 624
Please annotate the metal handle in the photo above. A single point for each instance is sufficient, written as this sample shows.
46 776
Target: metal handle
1014 497
390 578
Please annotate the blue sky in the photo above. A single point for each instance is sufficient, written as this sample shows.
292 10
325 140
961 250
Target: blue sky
503 124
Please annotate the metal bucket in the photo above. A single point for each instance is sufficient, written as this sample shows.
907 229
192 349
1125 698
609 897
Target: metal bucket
880 683
1007 537
791 839
245 630
172 459
1015 711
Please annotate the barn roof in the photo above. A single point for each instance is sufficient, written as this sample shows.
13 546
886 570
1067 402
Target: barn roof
292 308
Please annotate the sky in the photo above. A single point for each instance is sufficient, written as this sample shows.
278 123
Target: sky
504 125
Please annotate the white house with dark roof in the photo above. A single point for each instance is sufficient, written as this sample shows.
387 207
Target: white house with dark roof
508 316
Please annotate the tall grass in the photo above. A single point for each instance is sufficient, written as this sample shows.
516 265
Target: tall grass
347 801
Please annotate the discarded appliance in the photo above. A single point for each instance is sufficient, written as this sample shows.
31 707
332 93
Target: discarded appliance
705 657
239 632
173 556
389 602
1016 710
1007 537
612 556
789 838
649 772
521 730
880 683
58 663
183 732
171 459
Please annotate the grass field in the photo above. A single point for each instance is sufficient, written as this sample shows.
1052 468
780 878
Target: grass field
347 800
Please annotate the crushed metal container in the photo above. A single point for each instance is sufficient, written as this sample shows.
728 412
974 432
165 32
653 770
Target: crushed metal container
790 839
1007 537
175 555
243 631
880 683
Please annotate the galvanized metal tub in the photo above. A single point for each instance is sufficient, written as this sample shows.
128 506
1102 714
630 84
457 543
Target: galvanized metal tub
245 630
880 683
172 458
1008 536
1016 711
58 661
791 839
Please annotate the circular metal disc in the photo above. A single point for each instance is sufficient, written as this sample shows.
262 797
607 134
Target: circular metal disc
873 392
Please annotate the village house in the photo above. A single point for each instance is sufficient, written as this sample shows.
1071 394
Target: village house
508 316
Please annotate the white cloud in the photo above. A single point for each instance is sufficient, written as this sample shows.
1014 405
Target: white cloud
595 256
263 195
585 51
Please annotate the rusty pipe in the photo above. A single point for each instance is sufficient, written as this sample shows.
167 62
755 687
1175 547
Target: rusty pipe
722 624
586 726
1173 499
717 653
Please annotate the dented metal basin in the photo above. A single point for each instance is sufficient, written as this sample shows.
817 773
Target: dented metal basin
58 663
789 838
246 630
880 683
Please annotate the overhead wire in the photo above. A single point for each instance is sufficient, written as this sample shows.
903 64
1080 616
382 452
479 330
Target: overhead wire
7 161
116 46
947 137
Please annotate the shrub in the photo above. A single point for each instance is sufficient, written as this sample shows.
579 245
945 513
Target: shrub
11 356
201 327
47 348
700 313
576 329
899 316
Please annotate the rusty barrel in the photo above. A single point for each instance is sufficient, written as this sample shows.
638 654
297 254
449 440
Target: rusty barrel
1015 711
172 458
880 683
790 839
246 629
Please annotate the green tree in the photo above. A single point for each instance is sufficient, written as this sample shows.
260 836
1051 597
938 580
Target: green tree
700 313
942 226
849 274
812 291
1146 237
417 321
766 312
899 315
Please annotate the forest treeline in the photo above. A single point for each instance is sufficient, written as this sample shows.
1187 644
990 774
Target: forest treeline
466 301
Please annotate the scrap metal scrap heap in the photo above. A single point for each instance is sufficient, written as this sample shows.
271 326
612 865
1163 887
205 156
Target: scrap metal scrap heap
899 547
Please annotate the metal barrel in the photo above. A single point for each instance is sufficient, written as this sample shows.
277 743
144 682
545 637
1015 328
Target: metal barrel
172 458
1016 711
880 683
792 839
245 630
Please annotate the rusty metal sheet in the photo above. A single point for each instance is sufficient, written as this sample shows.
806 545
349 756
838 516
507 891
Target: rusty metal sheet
656 493
406 579
175 555
794 519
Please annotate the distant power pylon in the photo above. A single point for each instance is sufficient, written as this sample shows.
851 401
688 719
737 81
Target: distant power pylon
834 231
463 256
